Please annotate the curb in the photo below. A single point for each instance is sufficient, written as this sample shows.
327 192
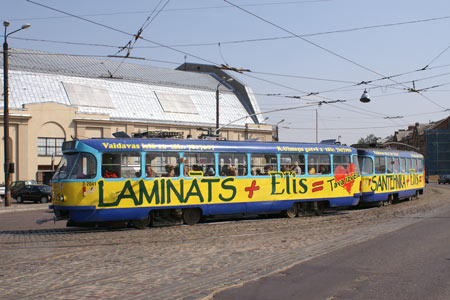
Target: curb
22 207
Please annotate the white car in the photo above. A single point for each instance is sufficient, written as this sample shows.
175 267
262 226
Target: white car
2 192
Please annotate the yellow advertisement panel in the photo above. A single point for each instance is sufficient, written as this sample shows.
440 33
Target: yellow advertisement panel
168 191
392 182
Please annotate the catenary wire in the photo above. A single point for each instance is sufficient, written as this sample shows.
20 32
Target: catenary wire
123 32
305 35
129 46
324 49
99 23
174 9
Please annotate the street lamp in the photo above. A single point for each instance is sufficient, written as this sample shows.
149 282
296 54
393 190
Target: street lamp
217 101
9 167
365 98
276 126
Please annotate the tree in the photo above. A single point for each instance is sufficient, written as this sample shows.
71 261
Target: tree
370 139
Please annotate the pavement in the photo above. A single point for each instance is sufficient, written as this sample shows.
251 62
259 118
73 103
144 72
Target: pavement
17 207
410 263
186 262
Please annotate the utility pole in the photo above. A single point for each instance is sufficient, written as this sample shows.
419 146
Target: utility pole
6 120
217 108
218 102
9 167
277 125
317 126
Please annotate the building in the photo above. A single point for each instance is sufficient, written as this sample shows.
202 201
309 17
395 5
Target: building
437 141
55 97
432 140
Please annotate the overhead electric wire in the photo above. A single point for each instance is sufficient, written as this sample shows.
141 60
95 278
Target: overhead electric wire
354 84
62 42
307 34
323 48
129 46
93 56
179 50
275 83
364 111
437 56
366 82
150 20
174 9
303 77
123 32
335 128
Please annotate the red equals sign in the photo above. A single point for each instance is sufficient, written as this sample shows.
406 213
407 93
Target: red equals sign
317 186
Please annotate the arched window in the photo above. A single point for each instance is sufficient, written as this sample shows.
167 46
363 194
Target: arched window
50 143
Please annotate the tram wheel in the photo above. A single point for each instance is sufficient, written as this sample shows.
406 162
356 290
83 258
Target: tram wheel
416 196
388 201
191 216
141 223
303 209
319 208
292 212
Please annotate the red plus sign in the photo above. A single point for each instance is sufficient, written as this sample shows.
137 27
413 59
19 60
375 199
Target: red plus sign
252 188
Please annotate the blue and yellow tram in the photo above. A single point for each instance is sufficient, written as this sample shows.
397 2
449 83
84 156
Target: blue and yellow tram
389 175
144 180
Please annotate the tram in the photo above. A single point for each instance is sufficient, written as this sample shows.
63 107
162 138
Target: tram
144 181
390 175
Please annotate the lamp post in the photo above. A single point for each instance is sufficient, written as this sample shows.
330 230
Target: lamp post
278 138
8 166
217 101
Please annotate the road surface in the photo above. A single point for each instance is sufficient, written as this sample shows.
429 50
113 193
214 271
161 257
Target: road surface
411 263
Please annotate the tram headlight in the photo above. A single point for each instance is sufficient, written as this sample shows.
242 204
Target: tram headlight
61 198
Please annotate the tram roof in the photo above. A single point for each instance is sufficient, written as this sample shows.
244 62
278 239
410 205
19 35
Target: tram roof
133 144
389 152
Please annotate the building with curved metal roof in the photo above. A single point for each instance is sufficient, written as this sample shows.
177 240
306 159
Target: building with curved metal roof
53 97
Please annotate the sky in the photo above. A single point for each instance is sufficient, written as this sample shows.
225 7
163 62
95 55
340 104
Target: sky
314 56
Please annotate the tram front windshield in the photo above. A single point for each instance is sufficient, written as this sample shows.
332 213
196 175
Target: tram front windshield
76 166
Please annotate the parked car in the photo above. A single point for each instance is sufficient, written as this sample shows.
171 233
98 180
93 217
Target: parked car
444 179
2 192
34 192
16 186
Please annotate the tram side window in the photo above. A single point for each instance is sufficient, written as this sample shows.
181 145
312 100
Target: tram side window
293 163
380 165
262 164
342 161
204 162
85 167
390 165
357 169
121 165
367 165
233 164
162 164
413 165
408 164
319 164
403 165
420 165
396 165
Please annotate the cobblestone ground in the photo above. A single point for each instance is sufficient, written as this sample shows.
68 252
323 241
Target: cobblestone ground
186 262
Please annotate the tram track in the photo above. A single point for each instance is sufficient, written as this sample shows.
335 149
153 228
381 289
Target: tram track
251 267
318 223
212 255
